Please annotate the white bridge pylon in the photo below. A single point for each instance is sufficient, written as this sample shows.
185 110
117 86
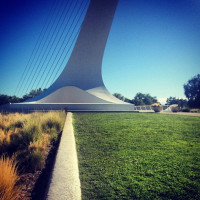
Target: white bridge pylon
80 86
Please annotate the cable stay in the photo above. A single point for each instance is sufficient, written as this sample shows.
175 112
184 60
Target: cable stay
67 53
72 32
53 46
47 49
21 81
56 46
45 41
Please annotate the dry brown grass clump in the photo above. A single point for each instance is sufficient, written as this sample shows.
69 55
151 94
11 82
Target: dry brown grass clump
9 189
10 125
7 119
30 136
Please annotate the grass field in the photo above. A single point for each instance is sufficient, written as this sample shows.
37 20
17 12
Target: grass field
138 155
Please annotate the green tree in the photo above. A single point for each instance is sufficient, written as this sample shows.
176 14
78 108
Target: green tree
192 91
173 100
128 100
143 99
32 94
119 96
4 99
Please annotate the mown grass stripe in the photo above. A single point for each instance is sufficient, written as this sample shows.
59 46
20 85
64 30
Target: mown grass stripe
138 155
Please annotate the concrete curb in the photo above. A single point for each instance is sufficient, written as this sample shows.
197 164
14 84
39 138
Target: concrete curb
65 182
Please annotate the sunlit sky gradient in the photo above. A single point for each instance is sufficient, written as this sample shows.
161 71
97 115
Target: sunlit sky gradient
153 46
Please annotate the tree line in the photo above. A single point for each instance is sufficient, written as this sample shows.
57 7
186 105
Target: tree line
191 90
5 99
141 99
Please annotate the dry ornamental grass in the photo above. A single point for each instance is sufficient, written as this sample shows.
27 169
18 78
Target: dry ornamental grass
9 189
29 137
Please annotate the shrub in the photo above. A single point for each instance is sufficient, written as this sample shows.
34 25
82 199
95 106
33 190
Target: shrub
2 136
195 110
32 132
33 158
53 126
156 104
157 107
6 138
54 135
2 126
9 189
174 107
12 142
40 144
49 124
185 109
16 125
36 159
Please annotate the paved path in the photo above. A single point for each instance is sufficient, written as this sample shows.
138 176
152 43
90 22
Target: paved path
65 182
172 113
182 113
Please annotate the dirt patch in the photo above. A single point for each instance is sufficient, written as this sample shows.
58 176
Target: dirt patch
28 181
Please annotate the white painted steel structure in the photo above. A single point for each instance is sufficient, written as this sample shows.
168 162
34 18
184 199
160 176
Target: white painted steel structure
80 86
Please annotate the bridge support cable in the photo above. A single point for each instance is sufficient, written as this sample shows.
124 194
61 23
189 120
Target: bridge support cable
54 43
69 37
40 50
51 45
37 44
44 53
66 54
56 46
49 81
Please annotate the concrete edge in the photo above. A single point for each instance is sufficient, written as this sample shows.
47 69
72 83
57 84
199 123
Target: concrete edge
65 182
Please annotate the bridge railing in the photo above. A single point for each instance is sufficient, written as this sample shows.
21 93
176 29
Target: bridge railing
149 108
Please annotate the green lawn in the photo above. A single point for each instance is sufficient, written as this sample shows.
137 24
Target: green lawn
138 155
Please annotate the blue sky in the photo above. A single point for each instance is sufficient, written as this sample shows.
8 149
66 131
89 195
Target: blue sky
153 46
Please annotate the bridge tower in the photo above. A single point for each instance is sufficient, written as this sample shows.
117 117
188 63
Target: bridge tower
80 86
